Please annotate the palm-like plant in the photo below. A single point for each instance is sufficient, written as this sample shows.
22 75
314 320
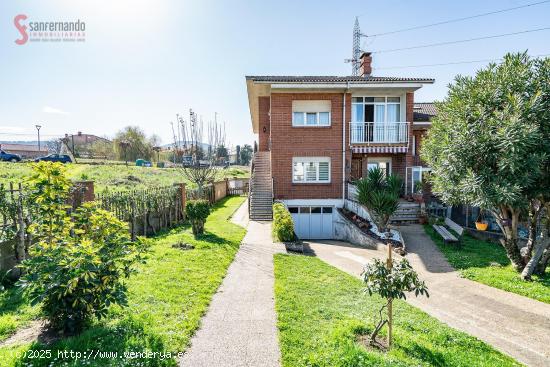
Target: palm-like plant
380 194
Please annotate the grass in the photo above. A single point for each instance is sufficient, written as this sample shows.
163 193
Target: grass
167 298
487 263
322 310
115 175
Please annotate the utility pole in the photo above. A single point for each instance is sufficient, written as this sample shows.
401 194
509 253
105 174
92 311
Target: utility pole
38 132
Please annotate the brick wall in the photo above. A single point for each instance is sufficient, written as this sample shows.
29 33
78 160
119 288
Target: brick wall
264 128
409 159
288 142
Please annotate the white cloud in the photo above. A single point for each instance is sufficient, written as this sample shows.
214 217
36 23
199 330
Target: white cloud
48 109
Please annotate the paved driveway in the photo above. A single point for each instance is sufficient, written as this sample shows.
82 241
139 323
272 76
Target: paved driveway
513 324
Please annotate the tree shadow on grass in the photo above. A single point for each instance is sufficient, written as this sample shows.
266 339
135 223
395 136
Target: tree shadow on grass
102 345
433 358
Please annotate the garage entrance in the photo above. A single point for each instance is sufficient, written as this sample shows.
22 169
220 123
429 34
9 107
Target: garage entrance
312 222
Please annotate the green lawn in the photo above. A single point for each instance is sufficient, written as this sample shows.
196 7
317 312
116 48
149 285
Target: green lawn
167 298
321 310
115 176
487 263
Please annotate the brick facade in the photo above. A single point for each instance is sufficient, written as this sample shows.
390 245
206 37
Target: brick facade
263 138
288 142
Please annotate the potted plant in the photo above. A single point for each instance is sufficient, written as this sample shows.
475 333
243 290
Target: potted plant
418 193
481 223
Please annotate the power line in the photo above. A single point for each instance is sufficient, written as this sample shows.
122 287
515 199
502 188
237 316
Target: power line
461 41
449 63
457 19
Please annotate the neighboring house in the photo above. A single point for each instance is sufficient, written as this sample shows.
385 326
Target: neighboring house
26 151
81 144
316 133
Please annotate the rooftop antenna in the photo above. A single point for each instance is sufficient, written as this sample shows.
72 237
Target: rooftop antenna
356 51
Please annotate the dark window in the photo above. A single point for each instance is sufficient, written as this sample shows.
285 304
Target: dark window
327 209
304 210
316 210
293 209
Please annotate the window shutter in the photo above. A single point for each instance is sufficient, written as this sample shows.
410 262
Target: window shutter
323 171
311 172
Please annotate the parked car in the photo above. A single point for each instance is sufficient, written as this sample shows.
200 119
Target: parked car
63 158
9 157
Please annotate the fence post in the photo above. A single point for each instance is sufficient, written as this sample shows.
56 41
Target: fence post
183 199
84 192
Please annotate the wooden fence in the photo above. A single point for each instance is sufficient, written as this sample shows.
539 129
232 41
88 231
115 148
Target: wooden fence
15 217
146 211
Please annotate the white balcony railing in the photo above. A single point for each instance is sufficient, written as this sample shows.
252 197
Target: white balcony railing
379 132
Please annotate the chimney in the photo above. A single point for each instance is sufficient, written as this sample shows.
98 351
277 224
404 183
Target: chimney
365 68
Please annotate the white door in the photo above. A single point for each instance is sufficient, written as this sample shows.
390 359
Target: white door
313 222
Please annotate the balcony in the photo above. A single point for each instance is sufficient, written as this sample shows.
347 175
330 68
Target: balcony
383 133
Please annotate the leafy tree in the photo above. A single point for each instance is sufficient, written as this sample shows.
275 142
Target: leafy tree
221 152
76 269
390 281
489 146
131 143
246 155
380 194
197 211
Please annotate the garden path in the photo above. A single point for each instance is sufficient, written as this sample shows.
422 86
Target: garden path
239 328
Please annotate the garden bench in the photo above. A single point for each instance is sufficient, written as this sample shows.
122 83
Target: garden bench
446 234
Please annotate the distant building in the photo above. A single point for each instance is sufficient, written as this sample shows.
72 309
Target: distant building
25 150
80 144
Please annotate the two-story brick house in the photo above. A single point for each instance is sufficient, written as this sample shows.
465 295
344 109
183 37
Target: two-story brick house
316 133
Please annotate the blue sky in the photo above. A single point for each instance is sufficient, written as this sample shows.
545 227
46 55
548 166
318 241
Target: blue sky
144 61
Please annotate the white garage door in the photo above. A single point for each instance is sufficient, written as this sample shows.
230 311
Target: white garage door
312 222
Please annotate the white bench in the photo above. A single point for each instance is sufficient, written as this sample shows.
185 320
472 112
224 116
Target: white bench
448 236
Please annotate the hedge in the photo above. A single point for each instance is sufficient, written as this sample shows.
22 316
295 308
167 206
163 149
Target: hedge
283 225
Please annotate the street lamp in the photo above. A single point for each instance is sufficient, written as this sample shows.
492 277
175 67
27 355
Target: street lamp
38 131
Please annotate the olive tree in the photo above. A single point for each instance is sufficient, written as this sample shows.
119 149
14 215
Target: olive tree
489 145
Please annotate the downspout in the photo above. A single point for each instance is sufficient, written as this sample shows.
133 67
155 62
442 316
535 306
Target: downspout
344 146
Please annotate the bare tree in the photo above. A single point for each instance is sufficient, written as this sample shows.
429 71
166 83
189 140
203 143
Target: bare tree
199 164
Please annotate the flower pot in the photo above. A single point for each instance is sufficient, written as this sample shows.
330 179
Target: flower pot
422 219
480 226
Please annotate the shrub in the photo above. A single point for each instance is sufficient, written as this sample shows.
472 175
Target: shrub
76 269
283 225
197 211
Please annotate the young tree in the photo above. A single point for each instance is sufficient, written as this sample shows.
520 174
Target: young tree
76 268
201 167
245 155
391 282
489 145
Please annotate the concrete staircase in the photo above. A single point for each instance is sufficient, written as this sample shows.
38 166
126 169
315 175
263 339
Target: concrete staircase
261 193
406 213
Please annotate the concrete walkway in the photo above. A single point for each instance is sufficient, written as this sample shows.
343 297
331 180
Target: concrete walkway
513 324
239 328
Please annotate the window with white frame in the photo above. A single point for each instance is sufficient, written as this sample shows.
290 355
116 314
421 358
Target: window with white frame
376 109
311 113
311 169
